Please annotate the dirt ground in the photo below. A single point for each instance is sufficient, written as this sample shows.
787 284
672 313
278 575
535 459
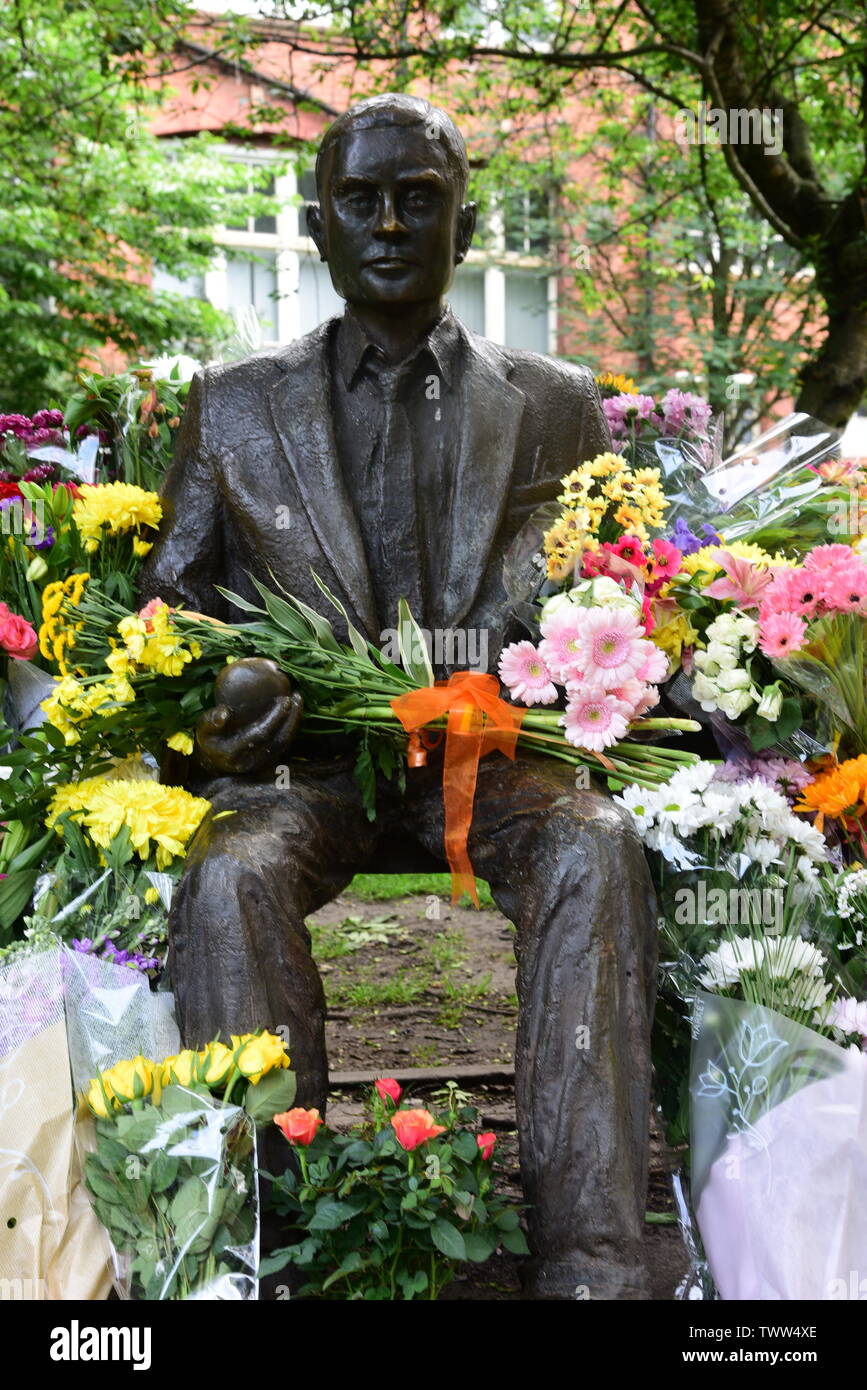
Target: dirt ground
414 982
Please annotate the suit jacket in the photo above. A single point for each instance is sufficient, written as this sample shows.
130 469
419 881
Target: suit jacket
256 485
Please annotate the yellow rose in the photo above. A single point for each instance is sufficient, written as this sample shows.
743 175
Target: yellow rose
181 742
182 1069
132 1080
151 896
256 1054
216 1061
99 1098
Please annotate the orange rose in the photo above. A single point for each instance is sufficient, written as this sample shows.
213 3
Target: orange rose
299 1126
414 1127
486 1144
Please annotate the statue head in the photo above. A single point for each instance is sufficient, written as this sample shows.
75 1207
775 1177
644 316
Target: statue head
392 223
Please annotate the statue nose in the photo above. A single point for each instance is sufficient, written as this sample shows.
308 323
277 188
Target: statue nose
388 221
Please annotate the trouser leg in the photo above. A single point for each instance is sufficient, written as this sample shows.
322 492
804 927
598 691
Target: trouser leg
568 870
239 948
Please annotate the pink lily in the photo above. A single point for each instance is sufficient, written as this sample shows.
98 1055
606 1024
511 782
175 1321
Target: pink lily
744 583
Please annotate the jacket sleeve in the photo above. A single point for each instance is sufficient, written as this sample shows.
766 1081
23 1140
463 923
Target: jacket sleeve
594 436
188 556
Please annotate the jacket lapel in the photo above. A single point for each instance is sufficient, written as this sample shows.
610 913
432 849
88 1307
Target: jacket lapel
307 437
491 409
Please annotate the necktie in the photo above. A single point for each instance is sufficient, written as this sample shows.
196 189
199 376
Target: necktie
394 484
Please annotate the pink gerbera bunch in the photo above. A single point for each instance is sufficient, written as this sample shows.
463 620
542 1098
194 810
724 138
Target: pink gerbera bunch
561 632
525 673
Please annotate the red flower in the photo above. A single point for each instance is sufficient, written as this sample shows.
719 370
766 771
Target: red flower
9 490
414 1127
486 1144
388 1089
299 1126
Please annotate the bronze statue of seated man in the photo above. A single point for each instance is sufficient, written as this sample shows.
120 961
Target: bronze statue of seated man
397 454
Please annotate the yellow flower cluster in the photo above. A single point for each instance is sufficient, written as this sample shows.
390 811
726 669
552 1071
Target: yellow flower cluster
112 509
71 702
605 489
102 806
57 633
703 563
151 644
251 1055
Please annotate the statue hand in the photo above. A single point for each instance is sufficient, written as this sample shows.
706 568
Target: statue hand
253 723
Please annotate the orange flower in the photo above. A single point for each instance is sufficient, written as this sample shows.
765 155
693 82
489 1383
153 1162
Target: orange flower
414 1127
840 793
299 1126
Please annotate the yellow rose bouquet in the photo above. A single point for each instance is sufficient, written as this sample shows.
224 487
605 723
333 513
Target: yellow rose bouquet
172 1169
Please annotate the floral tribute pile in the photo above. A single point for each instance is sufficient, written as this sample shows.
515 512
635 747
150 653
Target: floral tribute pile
707 664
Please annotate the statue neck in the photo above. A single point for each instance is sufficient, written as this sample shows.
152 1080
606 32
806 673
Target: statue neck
398 336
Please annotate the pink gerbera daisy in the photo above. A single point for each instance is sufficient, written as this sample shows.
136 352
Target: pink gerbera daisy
654 667
595 721
844 588
610 646
793 591
780 634
523 670
560 634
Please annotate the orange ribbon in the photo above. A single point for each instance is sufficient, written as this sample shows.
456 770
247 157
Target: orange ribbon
479 722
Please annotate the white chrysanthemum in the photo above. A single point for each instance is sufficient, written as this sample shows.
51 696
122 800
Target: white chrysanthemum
762 850
849 1015
722 968
786 956
853 885
695 777
641 804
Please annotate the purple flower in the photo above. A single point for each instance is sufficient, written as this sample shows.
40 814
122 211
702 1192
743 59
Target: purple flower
85 945
688 542
785 775
47 540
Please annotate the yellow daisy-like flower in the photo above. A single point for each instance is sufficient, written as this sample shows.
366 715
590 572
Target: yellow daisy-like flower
181 743
57 632
141 547
604 465
158 817
112 509
617 382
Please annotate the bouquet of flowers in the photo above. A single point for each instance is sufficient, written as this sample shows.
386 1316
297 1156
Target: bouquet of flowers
171 1172
388 1210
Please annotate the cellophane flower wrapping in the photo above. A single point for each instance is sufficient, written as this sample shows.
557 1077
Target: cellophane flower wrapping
172 1174
174 1183
51 1243
779 1154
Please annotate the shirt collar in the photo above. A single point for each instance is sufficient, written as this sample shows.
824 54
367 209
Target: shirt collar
354 345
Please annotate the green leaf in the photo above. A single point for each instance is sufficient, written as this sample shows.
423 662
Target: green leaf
507 1220
515 1242
272 1096
330 1214
15 893
163 1171
413 649
479 1247
359 643
465 1146
449 1240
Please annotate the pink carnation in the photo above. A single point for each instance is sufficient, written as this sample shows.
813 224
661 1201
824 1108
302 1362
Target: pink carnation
523 670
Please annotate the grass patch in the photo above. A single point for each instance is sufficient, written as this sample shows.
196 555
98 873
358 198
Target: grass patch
377 887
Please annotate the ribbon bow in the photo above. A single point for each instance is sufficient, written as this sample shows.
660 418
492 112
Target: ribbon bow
478 723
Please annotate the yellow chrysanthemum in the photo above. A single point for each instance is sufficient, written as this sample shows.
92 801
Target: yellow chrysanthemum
112 509
102 806
673 636
57 631
604 465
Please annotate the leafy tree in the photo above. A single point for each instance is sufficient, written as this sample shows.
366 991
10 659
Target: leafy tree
91 198
780 208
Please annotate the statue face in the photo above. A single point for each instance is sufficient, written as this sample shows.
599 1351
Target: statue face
391 225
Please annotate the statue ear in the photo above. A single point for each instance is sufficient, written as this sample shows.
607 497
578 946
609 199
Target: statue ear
316 228
466 227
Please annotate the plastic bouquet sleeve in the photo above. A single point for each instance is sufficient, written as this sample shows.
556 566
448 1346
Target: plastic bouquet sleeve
779 1154
172 1178
51 1244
